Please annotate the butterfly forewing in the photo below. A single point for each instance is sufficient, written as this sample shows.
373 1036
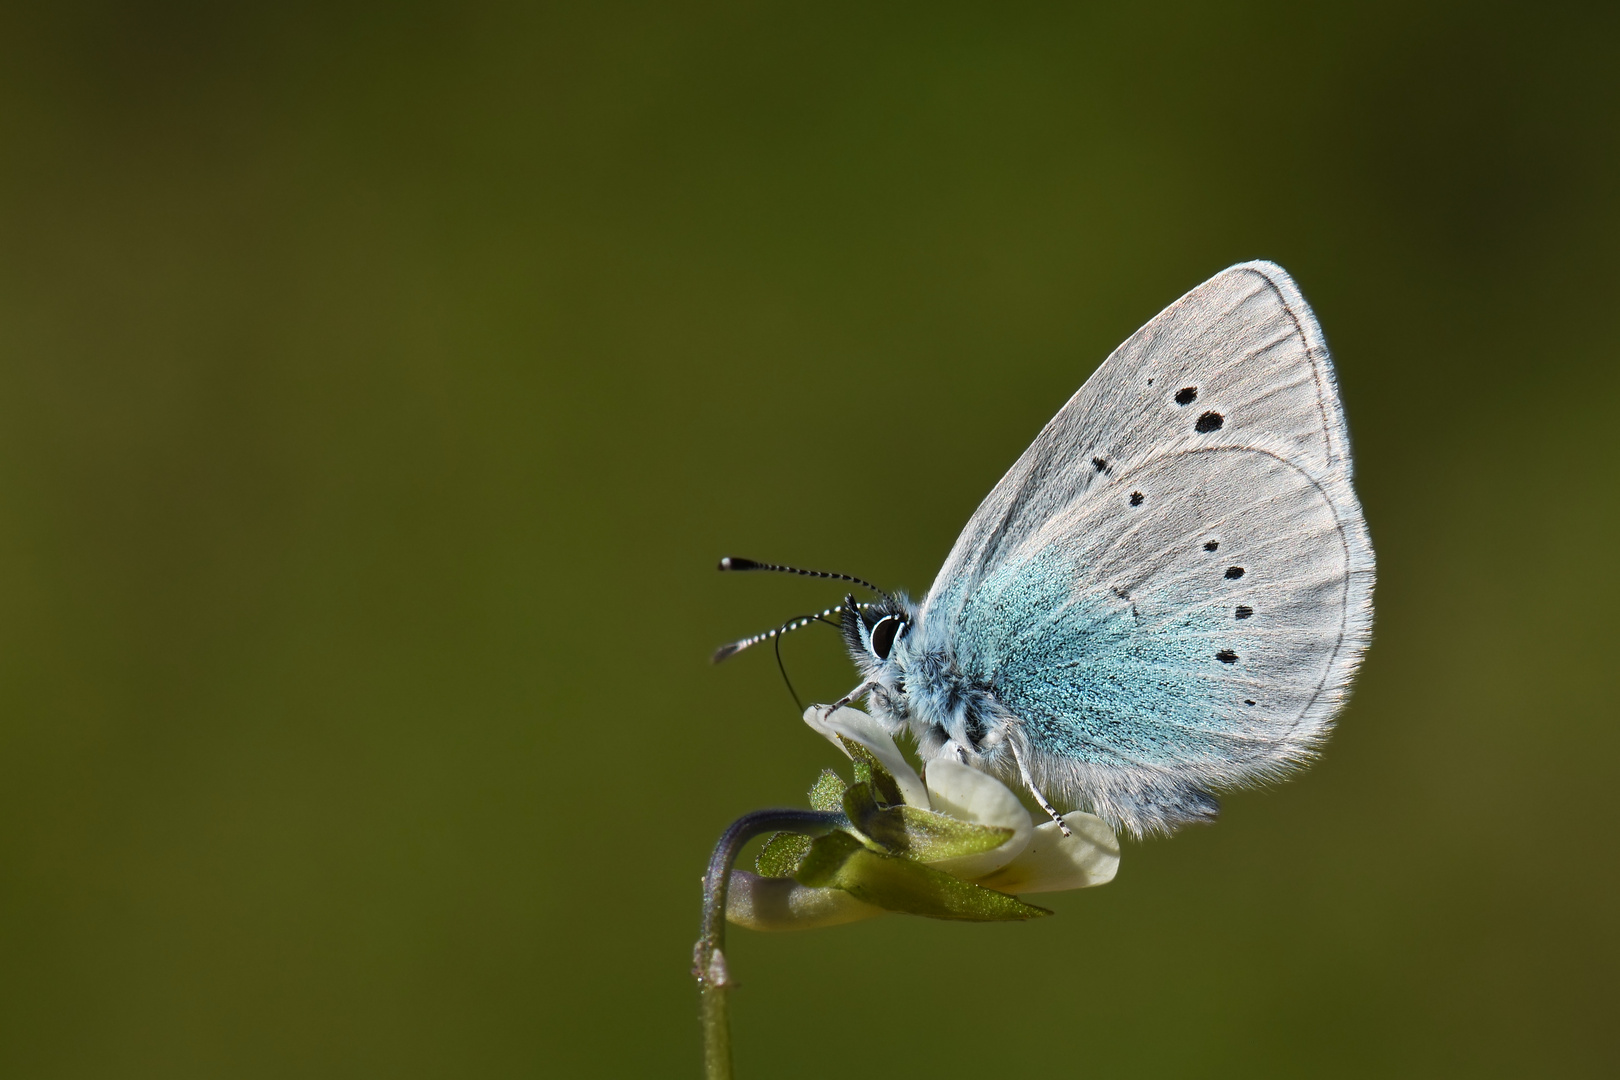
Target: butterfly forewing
1238 361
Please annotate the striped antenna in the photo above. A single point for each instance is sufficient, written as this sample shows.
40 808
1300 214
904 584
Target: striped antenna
798 622
731 563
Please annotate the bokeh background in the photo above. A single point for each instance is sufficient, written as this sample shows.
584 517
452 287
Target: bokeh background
379 383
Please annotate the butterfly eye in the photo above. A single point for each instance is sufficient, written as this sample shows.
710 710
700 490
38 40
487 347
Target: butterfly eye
884 634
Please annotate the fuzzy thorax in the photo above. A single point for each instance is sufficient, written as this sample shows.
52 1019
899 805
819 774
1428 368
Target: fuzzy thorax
919 686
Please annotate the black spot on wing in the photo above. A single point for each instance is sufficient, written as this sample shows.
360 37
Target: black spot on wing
1234 572
1211 545
1136 498
1248 701
1226 656
1244 611
1210 421
1186 395
1100 464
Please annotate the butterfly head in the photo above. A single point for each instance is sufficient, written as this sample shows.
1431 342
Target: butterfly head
876 634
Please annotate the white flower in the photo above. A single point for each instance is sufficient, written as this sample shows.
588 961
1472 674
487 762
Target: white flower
1035 857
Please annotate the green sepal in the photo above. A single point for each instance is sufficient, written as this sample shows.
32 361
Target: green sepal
859 805
782 855
916 833
827 793
929 837
870 770
840 861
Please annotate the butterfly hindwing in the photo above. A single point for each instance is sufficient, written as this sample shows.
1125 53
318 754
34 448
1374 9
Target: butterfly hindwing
1157 648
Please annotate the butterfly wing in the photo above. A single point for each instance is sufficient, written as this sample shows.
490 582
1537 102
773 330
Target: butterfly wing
1171 589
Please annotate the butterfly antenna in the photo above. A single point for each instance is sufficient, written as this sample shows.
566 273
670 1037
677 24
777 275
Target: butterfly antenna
783 669
731 563
798 622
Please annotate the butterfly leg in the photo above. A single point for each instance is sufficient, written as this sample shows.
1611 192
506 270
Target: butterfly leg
1029 782
828 710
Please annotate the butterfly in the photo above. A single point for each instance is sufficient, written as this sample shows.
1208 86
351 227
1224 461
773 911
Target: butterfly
1166 596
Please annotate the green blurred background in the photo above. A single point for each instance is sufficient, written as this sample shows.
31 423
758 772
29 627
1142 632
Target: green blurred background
381 382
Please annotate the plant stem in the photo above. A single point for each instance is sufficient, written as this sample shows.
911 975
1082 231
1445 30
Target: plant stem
709 958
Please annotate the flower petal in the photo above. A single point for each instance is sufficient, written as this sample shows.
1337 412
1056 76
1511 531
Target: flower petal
1054 862
978 797
858 726
766 903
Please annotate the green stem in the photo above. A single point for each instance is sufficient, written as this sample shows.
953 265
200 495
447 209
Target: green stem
709 958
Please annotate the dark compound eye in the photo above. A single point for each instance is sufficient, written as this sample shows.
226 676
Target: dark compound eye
1186 395
1210 421
884 634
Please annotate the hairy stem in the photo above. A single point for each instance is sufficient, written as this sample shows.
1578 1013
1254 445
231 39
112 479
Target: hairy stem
709 958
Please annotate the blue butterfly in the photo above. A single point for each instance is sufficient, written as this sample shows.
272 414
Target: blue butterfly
1167 595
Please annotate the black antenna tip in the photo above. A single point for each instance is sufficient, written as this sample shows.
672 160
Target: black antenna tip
725 652
730 563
